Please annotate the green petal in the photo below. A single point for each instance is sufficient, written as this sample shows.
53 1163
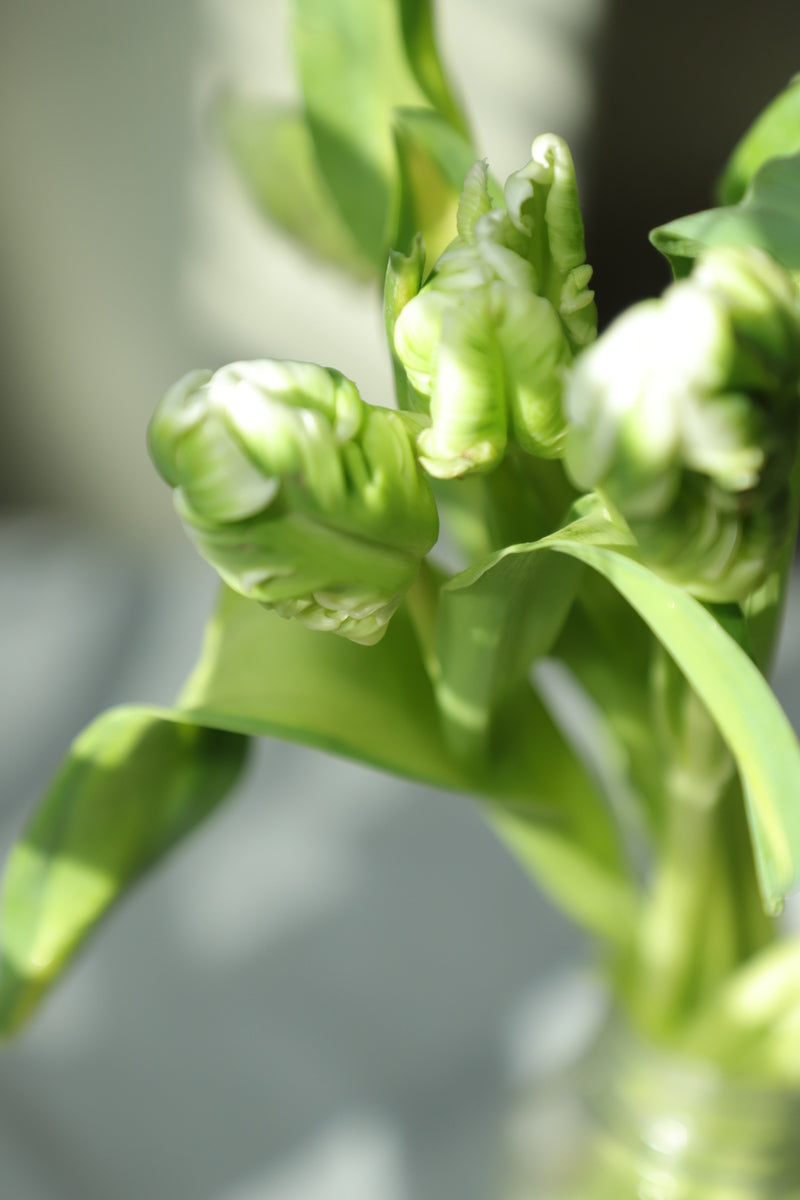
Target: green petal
299 494
469 420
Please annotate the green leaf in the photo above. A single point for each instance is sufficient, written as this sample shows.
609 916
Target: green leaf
273 152
495 619
767 217
263 675
732 688
354 71
736 694
545 806
619 687
433 162
359 61
774 133
133 784
423 58
259 674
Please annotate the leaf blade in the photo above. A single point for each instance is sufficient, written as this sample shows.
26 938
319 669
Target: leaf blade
264 676
739 699
273 153
767 217
133 784
353 69
730 685
774 133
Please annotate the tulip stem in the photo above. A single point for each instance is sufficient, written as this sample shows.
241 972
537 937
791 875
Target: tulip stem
422 603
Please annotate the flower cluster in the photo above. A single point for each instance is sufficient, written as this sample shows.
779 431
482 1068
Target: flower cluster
683 416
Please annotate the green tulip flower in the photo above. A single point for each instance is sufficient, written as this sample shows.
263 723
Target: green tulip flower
302 496
684 416
486 341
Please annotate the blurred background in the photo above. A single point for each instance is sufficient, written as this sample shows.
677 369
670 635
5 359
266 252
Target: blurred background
331 990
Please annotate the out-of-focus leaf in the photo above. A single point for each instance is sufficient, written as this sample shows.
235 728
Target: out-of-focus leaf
261 675
423 58
563 830
353 72
359 61
774 134
133 785
433 162
273 152
768 217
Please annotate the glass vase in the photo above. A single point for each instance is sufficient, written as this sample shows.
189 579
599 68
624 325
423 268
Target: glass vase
636 1121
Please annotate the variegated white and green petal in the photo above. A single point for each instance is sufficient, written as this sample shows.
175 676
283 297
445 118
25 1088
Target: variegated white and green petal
693 543
181 409
522 274
389 499
535 352
184 434
302 496
474 202
542 203
762 302
577 308
726 438
469 421
623 419
717 552
417 334
686 415
303 569
502 253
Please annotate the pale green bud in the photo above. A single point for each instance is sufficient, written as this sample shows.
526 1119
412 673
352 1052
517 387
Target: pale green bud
302 496
542 203
486 340
685 416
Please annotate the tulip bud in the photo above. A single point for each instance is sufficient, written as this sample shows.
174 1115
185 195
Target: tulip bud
684 415
302 496
488 337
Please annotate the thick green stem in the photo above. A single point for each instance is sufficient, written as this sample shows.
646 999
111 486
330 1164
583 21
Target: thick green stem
666 950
